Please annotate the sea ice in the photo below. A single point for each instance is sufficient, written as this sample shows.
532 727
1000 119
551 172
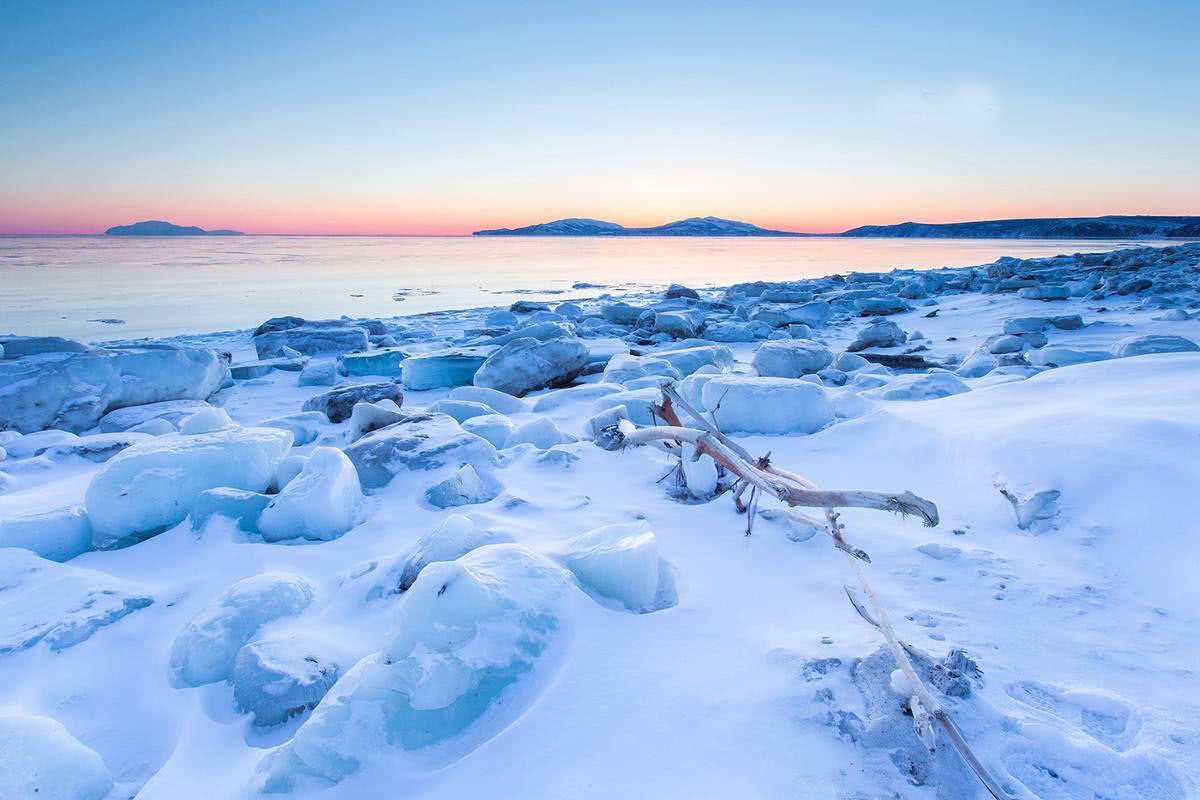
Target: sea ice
767 405
318 504
444 368
204 651
151 486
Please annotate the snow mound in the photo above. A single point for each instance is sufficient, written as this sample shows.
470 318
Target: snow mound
465 487
57 535
495 428
318 504
150 487
501 402
39 758
767 405
56 603
929 386
206 420
465 633
204 651
420 442
621 562
453 539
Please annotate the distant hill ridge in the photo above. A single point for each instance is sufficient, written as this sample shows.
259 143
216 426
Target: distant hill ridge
157 227
1106 227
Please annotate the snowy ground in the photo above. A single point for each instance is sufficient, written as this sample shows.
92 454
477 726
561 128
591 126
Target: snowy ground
757 678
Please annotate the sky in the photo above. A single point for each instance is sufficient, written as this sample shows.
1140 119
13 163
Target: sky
446 117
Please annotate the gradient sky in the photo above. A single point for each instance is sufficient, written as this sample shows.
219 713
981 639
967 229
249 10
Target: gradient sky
445 117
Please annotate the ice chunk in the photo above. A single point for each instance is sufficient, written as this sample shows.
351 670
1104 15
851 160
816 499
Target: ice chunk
454 538
311 339
1142 345
40 759
173 411
767 405
700 474
151 486
305 426
526 364
464 487
495 428
462 410
318 504
57 603
465 632
929 386
639 404
321 373
337 404
276 678
385 361
74 390
153 427
420 442
502 402
99 447
791 358
57 535
690 359
32 444
552 401
877 333
456 367
620 562
1059 356
206 420
240 506
541 432
205 649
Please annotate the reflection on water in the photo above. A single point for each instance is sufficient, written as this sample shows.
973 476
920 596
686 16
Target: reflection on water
160 286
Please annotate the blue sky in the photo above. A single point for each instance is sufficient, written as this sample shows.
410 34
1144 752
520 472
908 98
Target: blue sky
442 118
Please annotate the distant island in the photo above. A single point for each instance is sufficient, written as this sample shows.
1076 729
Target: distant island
1107 227
156 227
693 226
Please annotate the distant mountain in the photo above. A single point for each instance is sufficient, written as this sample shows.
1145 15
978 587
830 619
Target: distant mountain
693 226
1109 227
156 227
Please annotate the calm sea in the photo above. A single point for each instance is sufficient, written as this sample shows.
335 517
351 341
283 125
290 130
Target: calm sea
81 286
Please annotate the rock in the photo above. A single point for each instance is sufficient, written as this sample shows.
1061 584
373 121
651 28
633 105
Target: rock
421 442
152 486
338 404
1144 345
523 365
791 358
241 506
73 390
1044 292
320 374
172 411
57 535
444 368
39 758
312 339
319 504
367 417
1134 285
880 306
766 405
205 650
527 307
58 604
387 361
877 333
276 678
464 487
675 291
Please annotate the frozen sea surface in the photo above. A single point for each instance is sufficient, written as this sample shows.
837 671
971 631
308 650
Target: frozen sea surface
100 288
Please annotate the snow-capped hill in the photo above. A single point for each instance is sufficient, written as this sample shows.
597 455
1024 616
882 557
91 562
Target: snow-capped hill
157 227
693 226
572 226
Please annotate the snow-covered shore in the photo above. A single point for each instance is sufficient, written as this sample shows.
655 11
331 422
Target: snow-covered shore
229 571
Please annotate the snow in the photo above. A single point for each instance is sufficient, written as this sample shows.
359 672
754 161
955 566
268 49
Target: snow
151 486
1055 599
318 504
205 650
40 758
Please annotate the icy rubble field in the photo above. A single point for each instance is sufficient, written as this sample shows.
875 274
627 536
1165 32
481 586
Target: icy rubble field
453 592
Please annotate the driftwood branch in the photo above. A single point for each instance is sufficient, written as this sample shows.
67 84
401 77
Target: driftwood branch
762 477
